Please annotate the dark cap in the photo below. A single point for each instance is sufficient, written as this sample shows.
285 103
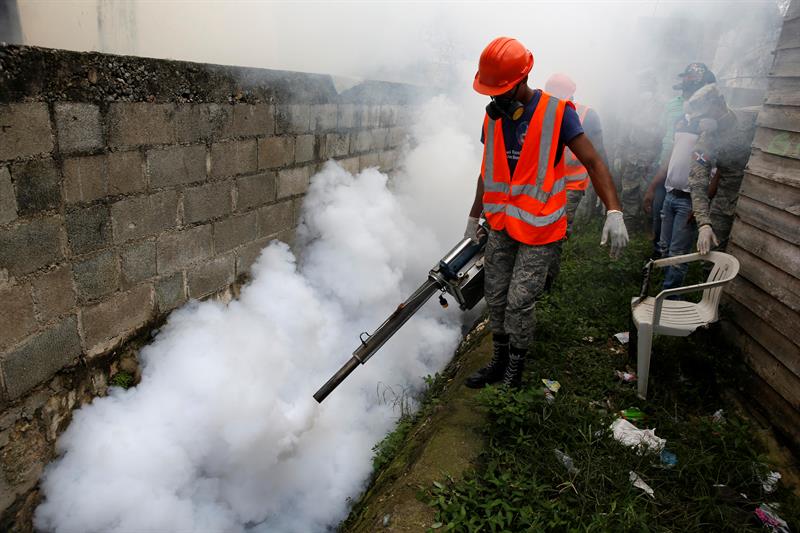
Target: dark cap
694 76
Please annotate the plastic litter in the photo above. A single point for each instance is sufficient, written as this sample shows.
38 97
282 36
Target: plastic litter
627 377
668 458
387 519
639 483
623 336
718 417
770 483
552 386
770 518
566 460
633 414
629 435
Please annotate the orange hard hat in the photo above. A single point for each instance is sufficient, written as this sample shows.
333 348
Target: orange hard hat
502 65
561 86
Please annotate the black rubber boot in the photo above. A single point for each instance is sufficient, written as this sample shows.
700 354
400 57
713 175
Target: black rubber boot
494 371
516 364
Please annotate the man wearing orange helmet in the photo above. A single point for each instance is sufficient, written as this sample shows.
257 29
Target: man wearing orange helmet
521 193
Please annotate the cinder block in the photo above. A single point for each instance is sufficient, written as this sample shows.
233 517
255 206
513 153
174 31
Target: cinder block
351 164
183 248
207 202
37 184
30 245
274 152
125 172
389 159
88 228
176 165
118 316
336 145
304 148
196 122
348 116
8 199
273 219
40 357
247 120
324 117
379 138
253 191
170 292
16 314
397 136
140 123
362 142
211 276
54 293
78 127
97 276
293 181
85 178
370 116
389 115
247 255
371 160
134 218
235 231
138 262
294 118
26 130
231 158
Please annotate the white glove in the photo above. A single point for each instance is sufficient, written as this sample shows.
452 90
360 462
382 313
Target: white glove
706 240
472 229
615 229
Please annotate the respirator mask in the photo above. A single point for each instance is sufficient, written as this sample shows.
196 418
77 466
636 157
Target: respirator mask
506 106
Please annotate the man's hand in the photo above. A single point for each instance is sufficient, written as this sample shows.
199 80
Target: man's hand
615 230
706 240
472 229
648 200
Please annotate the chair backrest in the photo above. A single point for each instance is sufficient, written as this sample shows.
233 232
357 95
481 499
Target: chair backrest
725 268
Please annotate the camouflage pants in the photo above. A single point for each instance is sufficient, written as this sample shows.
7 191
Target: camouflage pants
573 199
515 277
635 176
722 209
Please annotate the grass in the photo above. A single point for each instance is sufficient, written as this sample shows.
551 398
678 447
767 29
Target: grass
520 484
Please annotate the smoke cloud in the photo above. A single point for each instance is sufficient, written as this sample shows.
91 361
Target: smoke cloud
222 433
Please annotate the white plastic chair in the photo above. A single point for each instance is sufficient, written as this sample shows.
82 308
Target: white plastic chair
675 317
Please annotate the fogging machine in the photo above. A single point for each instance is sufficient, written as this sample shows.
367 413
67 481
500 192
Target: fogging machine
459 273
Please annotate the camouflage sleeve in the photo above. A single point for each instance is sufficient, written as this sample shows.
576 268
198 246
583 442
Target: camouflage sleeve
699 179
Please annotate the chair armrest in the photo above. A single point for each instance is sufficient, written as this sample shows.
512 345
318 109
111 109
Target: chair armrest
679 259
683 290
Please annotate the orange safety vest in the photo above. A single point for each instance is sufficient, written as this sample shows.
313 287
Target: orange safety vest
531 204
575 172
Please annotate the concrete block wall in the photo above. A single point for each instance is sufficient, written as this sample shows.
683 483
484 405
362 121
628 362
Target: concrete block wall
129 185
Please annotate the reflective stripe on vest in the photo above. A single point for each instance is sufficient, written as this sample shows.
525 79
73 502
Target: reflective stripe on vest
576 175
529 205
545 145
516 212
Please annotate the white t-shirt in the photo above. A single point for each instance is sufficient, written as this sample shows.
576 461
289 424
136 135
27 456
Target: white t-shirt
681 161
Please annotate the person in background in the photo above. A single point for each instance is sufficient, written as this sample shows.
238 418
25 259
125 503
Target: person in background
639 148
561 86
694 76
520 191
577 178
724 145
